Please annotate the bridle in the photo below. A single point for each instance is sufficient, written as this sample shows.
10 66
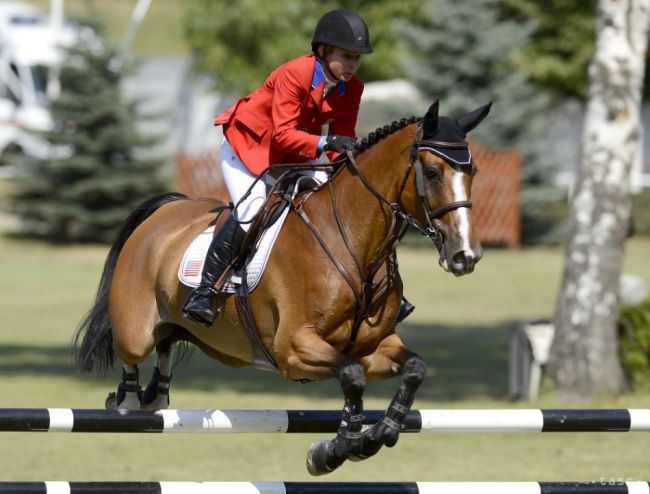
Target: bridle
432 229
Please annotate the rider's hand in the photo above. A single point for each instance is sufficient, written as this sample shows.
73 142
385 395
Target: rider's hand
341 144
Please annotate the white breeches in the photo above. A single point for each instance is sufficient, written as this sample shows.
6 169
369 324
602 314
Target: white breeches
239 179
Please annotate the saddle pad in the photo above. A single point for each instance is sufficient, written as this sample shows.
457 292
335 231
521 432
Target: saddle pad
189 272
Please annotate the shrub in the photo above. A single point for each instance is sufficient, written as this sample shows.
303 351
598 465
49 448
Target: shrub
641 212
634 342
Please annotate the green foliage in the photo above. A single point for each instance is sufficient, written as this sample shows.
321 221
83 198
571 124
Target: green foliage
634 342
464 54
98 171
558 52
240 43
641 212
545 211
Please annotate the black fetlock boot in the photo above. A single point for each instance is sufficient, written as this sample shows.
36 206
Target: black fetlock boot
405 309
223 249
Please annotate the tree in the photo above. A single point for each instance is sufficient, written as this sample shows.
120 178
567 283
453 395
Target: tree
97 172
463 53
584 356
241 42
558 52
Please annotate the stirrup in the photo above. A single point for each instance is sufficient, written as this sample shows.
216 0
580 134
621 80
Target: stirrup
193 316
406 308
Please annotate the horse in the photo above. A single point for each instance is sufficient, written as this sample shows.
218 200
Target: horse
328 301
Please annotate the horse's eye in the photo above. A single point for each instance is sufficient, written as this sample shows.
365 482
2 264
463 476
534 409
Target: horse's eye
432 173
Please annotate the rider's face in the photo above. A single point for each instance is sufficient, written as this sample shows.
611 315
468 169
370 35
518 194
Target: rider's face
342 64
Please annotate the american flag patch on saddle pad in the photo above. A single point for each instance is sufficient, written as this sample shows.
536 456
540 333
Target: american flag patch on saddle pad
189 271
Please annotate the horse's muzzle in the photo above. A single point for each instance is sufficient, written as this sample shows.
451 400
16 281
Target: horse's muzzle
462 262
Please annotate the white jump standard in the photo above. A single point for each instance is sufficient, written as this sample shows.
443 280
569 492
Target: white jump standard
316 421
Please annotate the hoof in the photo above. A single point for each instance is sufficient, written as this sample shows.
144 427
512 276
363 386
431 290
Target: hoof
390 437
157 402
111 401
317 458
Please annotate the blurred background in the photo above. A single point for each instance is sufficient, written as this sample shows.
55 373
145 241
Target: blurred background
104 103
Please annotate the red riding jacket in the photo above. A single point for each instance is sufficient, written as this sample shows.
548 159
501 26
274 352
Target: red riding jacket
281 122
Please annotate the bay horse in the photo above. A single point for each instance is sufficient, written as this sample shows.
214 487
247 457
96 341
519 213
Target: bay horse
327 304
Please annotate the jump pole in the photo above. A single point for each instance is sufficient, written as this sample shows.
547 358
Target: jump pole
324 487
318 421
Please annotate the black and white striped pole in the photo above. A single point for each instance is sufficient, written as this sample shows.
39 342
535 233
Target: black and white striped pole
317 421
324 488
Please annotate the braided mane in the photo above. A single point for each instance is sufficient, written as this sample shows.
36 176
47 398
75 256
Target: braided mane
381 132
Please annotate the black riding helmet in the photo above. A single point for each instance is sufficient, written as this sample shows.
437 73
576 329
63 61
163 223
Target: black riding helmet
343 29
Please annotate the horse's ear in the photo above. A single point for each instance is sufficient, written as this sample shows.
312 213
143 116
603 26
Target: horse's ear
472 119
430 121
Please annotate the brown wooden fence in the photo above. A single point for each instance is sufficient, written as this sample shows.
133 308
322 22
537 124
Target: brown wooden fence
496 191
496 194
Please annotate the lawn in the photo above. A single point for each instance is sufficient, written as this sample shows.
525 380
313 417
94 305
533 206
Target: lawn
461 327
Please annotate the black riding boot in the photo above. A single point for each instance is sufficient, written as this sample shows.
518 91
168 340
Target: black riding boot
405 309
222 251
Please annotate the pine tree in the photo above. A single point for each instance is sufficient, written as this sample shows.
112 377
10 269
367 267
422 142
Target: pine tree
463 54
99 167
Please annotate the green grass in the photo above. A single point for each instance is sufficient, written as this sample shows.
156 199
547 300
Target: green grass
461 327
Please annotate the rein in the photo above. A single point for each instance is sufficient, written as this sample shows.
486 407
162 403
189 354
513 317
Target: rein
372 292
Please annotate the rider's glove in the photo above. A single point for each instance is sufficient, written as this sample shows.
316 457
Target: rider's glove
341 144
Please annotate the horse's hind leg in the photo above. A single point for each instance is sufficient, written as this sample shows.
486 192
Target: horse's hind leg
132 348
129 392
156 394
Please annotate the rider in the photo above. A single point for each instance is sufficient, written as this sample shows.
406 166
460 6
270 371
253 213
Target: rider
281 122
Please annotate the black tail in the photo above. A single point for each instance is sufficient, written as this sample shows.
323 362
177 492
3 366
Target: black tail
92 345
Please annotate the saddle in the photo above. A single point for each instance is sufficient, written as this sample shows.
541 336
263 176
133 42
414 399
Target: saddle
282 194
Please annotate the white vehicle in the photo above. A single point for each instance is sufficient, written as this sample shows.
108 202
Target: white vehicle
30 52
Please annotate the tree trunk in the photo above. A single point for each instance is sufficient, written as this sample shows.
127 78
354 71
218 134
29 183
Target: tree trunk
584 356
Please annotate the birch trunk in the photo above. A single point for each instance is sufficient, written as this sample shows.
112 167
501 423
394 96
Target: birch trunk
584 356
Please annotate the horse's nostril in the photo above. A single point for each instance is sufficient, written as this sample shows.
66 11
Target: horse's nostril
463 259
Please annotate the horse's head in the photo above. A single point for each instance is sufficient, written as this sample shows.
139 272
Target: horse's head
439 195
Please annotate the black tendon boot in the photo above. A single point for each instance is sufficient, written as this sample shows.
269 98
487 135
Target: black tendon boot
223 249
405 309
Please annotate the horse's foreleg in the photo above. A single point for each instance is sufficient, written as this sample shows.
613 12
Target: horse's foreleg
328 454
412 368
313 358
156 394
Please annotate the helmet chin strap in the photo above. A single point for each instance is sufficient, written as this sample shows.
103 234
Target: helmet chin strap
326 65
